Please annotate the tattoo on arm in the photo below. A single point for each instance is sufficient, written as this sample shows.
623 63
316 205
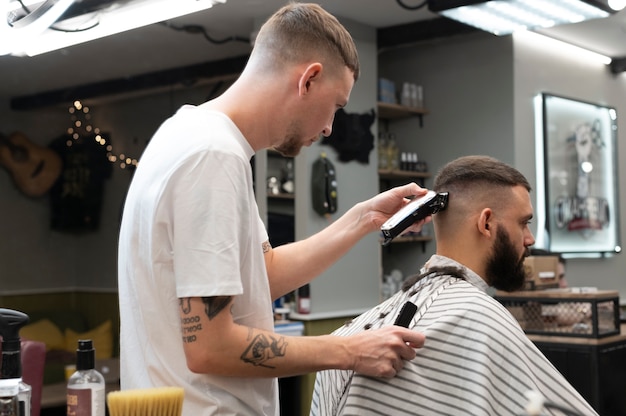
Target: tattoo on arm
263 348
266 246
190 324
215 304
185 305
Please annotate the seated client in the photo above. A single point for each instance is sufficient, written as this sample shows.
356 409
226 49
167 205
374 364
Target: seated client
476 359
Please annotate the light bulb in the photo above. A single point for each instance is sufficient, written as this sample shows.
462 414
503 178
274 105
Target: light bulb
617 4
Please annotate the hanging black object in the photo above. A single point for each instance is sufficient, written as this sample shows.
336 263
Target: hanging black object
352 136
324 186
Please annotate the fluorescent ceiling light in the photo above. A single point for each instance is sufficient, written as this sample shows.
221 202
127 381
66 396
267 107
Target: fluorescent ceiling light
503 17
116 18
560 47
16 33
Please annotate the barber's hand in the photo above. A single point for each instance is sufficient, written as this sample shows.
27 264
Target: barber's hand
384 205
382 352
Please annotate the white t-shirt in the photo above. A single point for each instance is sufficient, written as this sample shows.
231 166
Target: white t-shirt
191 228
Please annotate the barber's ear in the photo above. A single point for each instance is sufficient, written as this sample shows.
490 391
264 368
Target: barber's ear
485 221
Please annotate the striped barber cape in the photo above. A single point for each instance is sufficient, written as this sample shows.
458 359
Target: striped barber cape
476 360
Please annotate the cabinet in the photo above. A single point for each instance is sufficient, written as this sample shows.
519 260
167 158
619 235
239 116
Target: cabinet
275 199
394 255
281 193
316 327
594 367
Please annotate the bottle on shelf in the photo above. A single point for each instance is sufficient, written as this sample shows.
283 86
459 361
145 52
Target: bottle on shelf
382 151
86 387
404 161
15 395
413 162
304 299
288 183
405 94
392 153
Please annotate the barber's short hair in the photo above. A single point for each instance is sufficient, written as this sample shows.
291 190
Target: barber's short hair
305 31
468 171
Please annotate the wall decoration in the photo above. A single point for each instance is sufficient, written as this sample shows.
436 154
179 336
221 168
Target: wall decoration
579 143
352 137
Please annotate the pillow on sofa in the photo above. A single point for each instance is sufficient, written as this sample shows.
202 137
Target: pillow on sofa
101 336
44 331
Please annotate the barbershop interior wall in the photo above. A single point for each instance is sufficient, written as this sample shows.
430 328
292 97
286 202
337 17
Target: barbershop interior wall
479 90
468 91
353 283
537 70
33 258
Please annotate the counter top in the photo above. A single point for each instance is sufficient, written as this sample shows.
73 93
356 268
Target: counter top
325 315
580 340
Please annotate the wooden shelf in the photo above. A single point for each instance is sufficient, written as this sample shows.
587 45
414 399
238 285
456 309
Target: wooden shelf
282 195
400 174
412 239
395 111
423 239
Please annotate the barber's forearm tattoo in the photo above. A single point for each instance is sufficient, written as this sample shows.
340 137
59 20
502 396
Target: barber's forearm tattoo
266 246
263 348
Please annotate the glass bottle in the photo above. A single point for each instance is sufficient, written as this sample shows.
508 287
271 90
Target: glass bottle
86 387
392 153
382 151
11 321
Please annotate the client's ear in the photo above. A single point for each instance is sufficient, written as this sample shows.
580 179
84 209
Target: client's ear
484 219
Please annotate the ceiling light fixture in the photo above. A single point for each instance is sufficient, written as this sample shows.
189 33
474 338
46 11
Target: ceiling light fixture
503 17
116 18
14 32
617 5
557 47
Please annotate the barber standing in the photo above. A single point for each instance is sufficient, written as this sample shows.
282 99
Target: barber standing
197 274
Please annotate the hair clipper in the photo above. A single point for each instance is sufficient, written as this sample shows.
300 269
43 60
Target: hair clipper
416 210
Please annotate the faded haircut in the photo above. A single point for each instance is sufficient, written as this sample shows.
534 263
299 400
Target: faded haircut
481 171
305 31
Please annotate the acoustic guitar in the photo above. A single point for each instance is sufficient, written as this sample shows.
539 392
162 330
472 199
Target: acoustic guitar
34 168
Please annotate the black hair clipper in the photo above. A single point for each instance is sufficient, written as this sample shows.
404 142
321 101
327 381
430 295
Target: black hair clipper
416 210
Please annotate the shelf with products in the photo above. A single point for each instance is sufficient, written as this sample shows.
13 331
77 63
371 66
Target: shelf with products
390 111
280 177
282 195
390 174
398 165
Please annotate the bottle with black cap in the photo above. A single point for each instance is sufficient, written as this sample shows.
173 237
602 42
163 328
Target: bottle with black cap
85 388
13 391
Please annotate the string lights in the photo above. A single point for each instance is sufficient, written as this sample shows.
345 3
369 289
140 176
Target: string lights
80 117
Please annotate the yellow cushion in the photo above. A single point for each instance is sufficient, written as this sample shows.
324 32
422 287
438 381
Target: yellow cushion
44 331
101 336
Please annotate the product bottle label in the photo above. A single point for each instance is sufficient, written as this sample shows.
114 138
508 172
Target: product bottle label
86 401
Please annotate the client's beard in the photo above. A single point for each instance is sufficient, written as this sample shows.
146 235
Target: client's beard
505 270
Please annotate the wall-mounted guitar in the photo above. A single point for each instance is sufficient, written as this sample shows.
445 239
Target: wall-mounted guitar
34 168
